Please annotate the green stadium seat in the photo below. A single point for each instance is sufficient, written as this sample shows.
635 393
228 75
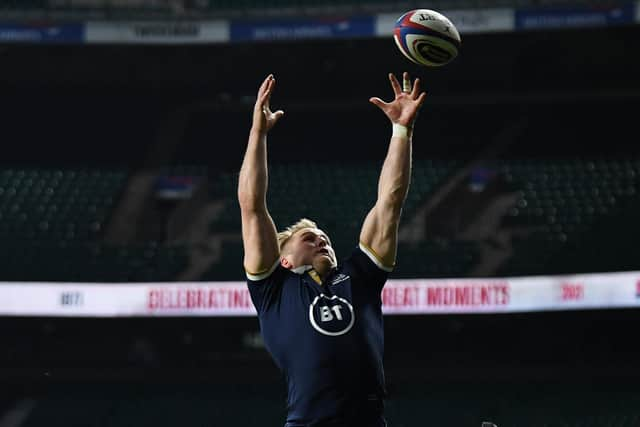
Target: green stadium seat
564 200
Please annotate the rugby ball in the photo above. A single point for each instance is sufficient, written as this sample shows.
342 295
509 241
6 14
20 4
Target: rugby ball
427 37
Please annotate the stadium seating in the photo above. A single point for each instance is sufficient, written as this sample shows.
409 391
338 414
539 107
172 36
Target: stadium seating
64 205
563 203
91 262
436 258
49 216
54 219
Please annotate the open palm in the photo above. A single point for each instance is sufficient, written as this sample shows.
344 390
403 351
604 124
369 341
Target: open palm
404 108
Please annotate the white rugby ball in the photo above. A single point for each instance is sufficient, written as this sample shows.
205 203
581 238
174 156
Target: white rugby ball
427 37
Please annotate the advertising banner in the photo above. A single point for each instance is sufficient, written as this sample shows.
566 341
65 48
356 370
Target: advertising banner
302 29
153 32
42 33
594 16
407 296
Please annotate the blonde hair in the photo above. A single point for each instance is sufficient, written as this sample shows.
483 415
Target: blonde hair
285 235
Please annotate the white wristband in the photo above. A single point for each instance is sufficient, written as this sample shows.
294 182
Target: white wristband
401 131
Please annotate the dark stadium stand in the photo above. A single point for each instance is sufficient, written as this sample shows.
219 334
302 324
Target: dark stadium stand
563 203
562 199
56 205
62 179
572 182
54 219
91 262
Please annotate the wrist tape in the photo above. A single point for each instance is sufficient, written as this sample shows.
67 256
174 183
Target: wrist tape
401 131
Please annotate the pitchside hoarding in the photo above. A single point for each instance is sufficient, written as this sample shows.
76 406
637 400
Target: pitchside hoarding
407 296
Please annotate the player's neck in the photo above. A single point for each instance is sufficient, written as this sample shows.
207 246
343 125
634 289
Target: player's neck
322 270
322 267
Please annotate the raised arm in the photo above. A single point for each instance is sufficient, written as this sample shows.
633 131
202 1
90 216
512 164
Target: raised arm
380 229
258 230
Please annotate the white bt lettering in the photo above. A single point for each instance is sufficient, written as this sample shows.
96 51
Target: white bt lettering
336 310
325 314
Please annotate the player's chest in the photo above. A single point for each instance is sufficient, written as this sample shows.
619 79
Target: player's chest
329 309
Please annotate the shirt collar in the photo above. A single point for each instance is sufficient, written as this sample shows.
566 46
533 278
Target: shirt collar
312 273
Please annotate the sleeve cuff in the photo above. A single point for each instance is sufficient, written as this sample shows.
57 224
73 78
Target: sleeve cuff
374 258
255 277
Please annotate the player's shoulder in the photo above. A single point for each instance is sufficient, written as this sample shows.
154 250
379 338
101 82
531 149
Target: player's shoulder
276 271
365 270
363 255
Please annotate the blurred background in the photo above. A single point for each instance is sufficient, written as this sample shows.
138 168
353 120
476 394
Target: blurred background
123 125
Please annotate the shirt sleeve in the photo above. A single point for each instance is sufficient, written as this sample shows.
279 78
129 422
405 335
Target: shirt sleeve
265 288
367 267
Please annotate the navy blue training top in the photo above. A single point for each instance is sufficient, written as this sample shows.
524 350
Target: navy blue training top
327 339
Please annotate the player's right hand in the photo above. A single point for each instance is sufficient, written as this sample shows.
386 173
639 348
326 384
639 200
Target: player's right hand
408 100
263 118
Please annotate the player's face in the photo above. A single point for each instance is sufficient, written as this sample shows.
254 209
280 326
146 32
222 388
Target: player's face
311 246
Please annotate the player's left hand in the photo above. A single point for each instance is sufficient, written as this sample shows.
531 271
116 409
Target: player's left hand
263 118
408 100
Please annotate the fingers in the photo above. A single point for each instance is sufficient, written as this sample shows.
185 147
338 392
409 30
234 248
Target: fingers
378 102
394 84
406 82
407 87
263 86
413 92
266 90
277 115
267 93
416 88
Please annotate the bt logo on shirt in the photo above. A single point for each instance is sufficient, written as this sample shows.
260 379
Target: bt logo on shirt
331 316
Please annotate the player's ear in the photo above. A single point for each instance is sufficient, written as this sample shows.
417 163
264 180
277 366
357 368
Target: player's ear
285 263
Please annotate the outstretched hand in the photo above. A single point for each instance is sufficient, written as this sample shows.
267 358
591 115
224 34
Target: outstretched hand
408 100
263 117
